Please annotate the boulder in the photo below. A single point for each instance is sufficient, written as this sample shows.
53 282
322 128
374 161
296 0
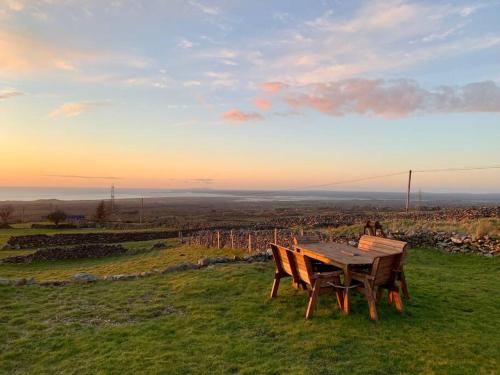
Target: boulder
84 277
203 262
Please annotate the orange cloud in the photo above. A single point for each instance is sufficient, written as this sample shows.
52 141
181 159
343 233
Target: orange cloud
235 115
75 109
272 87
395 98
9 93
29 54
262 103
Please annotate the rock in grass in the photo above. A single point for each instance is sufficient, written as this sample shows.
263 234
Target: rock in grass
159 245
52 283
203 262
5 281
84 277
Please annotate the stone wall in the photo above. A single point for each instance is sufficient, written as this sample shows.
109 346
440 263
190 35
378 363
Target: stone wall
61 253
65 239
260 240
350 218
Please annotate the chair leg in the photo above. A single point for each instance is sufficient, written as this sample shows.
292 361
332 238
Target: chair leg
276 285
372 304
404 286
313 298
390 298
398 302
380 292
339 294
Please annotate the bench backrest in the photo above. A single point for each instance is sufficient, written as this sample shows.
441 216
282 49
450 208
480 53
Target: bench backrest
383 245
384 268
303 266
283 259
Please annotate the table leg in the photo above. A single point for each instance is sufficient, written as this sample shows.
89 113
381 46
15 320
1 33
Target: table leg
347 283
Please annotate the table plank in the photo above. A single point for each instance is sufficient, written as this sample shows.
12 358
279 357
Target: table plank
338 254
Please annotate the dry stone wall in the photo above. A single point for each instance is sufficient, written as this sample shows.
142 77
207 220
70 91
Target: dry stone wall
61 253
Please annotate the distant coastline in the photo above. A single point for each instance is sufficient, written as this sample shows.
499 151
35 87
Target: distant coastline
28 194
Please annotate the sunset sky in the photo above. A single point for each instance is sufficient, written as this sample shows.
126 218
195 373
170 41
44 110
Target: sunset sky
249 94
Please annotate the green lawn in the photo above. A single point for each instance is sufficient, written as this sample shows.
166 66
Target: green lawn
220 320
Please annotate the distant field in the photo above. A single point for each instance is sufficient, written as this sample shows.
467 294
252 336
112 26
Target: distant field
220 320
145 260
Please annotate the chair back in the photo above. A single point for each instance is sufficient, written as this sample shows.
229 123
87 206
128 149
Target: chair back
304 266
384 268
383 245
283 259
306 238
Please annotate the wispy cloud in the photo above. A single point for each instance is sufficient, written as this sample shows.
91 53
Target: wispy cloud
395 98
379 38
15 5
222 79
236 115
202 180
272 87
84 177
76 108
29 54
262 103
10 93
185 43
211 10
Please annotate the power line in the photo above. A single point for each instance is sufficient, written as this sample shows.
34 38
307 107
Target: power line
393 174
457 169
348 181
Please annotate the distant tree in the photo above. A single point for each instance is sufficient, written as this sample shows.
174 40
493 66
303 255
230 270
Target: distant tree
56 216
6 214
101 212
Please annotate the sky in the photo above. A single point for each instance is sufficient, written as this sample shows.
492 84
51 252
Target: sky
249 94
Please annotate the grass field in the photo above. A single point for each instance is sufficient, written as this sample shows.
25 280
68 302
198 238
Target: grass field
220 320
144 260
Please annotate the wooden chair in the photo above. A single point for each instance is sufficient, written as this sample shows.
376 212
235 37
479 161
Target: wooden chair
285 267
388 246
306 238
309 238
381 275
318 281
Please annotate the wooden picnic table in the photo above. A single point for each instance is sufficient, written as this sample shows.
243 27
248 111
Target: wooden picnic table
342 256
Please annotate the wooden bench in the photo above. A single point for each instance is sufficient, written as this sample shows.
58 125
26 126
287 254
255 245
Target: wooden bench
388 246
381 275
285 267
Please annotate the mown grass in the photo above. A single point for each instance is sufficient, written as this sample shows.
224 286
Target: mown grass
220 320
143 260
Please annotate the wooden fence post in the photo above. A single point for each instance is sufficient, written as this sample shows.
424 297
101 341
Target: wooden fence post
249 243
275 235
180 236
218 240
232 239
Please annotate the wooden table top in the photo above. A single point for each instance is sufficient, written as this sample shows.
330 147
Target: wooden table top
338 254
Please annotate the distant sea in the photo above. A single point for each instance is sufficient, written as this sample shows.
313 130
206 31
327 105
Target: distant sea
71 193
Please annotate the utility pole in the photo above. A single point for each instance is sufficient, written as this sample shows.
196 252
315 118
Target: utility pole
112 199
408 192
142 210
